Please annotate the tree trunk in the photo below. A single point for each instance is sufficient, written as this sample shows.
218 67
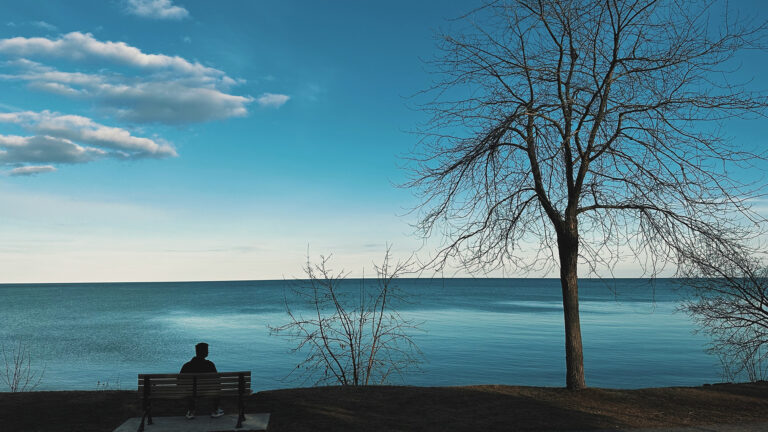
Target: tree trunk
568 247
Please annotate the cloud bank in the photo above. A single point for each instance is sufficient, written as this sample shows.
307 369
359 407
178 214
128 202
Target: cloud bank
70 139
124 83
156 9
83 46
156 88
44 149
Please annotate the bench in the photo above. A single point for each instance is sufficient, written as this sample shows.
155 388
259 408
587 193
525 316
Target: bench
192 386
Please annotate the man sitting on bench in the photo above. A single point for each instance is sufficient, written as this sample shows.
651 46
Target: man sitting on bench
199 364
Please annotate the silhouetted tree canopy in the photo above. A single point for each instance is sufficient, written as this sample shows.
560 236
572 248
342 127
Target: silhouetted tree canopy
594 128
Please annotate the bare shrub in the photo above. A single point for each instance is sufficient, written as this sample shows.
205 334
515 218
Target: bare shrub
107 385
350 338
19 374
729 301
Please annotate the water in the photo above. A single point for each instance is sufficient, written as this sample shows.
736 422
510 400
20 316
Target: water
475 331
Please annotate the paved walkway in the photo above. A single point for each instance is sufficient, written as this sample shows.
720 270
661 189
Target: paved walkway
754 427
226 423
259 422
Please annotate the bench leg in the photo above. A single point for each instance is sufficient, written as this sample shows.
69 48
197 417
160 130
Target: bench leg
146 415
141 425
240 413
146 404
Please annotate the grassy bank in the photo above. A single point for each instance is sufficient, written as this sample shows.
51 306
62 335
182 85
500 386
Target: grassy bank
416 408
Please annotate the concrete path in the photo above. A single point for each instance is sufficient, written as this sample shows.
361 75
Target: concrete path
259 422
754 427
225 423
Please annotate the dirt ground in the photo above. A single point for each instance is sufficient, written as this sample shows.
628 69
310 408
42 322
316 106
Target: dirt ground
502 408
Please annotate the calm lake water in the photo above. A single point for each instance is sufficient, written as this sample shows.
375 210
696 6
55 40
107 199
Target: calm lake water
476 331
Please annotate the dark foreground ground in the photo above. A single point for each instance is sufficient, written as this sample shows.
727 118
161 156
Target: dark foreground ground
502 408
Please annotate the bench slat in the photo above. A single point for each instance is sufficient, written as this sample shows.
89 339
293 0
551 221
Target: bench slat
231 384
185 380
187 396
213 374
188 389
189 382
161 395
153 386
189 392
199 380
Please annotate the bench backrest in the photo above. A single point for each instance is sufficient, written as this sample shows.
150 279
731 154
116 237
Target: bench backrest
179 386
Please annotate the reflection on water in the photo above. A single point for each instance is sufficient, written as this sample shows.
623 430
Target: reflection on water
475 331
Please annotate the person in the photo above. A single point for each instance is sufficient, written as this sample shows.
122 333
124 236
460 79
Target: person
199 364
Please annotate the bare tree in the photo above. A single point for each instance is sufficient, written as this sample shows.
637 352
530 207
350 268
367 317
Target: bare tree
589 127
350 336
729 289
19 374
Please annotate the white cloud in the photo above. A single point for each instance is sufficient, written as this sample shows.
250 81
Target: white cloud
83 46
70 139
171 103
44 25
56 88
157 9
39 24
272 100
44 149
31 170
166 89
84 130
8 107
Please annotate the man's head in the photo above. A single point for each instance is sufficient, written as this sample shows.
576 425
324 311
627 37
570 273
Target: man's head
201 350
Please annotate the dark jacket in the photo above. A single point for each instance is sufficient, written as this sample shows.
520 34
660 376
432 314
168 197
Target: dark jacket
198 365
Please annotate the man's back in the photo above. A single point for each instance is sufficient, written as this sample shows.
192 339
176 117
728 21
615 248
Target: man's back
198 365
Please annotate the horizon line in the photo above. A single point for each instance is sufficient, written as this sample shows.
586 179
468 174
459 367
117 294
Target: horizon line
305 279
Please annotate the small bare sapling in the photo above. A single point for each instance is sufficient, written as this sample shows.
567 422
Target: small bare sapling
18 373
349 334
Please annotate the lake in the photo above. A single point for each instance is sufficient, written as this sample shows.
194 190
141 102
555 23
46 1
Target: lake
474 331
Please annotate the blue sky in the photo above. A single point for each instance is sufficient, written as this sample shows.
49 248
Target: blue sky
193 140
157 140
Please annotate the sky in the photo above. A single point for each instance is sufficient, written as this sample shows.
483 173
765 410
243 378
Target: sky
162 140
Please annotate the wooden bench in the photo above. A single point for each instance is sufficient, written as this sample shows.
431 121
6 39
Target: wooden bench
193 386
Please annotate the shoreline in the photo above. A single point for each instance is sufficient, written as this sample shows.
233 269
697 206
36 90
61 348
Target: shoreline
386 408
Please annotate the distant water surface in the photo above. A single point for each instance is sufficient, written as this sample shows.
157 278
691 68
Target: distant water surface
476 331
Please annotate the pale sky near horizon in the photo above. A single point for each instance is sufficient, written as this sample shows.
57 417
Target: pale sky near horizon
162 140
